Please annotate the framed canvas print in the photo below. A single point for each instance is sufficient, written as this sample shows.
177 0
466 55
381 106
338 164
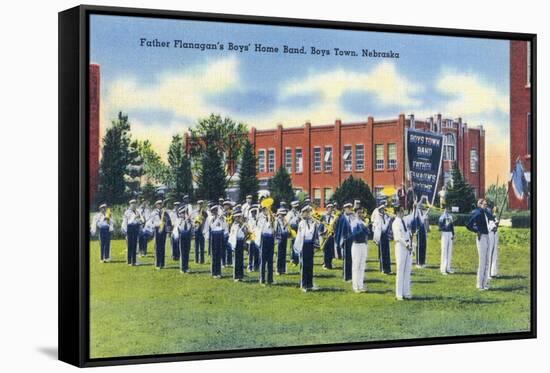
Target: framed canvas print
233 186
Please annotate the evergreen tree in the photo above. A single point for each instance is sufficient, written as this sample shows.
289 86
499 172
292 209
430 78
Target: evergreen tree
114 162
352 189
149 193
212 178
181 181
459 193
134 170
248 182
280 187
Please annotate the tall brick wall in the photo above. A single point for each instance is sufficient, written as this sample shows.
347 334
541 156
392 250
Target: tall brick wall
520 108
93 134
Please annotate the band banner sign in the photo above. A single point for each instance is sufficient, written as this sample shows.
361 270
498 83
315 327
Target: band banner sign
424 152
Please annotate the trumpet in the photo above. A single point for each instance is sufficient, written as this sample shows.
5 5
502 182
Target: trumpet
108 215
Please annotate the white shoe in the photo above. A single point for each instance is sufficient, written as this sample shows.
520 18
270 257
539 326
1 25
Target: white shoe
399 298
444 273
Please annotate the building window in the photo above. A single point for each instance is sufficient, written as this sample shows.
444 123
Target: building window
299 166
328 195
261 160
474 159
529 124
392 156
271 160
317 159
528 64
378 191
379 156
449 147
288 160
347 157
359 157
317 196
328 158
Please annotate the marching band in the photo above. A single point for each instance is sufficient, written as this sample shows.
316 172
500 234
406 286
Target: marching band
231 229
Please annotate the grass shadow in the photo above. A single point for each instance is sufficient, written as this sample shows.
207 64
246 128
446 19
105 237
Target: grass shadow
324 275
379 291
510 277
510 288
287 284
328 290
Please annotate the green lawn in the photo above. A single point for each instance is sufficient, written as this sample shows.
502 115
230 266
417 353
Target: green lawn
138 310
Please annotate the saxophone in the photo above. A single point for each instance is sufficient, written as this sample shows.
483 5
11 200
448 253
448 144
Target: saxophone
108 215
162 221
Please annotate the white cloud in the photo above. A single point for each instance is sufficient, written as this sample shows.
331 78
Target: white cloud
470 95
384 82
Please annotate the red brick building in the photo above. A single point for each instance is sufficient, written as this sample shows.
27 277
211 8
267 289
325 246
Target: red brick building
319 158
93 135
520 113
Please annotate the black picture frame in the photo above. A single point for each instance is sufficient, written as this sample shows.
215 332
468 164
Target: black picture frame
73 184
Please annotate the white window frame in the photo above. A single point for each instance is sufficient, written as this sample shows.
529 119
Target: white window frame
392 163
327 165
379 166
269 167
262 165
357 160
298 166
474 161
317 201
288 161
347 163
327 198
317 159
446 147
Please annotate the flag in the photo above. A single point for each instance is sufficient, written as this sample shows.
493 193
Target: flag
519 182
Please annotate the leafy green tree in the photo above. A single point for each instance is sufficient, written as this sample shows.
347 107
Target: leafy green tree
224 134
248 182
352 189
459 193
497 195
114 161
212 180
149 193
134 169
280 187
154 169
179 165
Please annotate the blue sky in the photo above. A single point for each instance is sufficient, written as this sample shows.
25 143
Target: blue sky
165 90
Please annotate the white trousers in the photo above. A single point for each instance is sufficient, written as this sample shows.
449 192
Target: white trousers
493 253
359 253
446 251
483 266
403 276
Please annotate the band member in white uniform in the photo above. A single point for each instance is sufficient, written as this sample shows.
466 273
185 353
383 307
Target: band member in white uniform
359 250
246 206
146 233
447 229
162 224
174 237
218 228
293 219
328 244
479 224
103 222
403 256
266 229
307 239
493 243
184 227
237 239
253 243
131 225
281 238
